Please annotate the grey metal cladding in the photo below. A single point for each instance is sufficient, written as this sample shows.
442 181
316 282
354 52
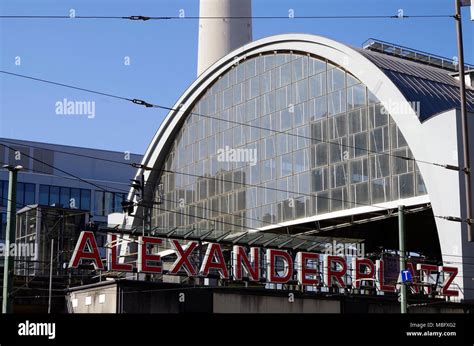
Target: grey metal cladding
435 89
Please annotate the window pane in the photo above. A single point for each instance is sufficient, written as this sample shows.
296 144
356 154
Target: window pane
320 154
318 108
357 120
379 166
337 102
108 201
356 96
30 194
75 200
54 195
359 171
20 194
380 190
379 140
85 199
285 74
338 126
338 175
99 203
316 66
286 167
317 85
64 198
335 79
300 91
44 194
319 179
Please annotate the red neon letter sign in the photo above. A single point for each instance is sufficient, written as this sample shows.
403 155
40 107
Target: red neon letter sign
126 267
252 266
332 273
80 252
381 278
271 261
359 275
425 271
445 291
143 257
303 271
214 250
183 258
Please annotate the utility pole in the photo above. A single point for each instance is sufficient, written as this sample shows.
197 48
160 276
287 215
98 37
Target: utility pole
401 240
50 275
9 238
464 123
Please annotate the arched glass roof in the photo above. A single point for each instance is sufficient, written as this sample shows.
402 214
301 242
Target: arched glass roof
281 137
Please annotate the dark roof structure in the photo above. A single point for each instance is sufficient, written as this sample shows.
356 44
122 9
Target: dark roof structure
435 88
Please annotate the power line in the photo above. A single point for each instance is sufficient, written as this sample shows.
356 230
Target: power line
150 105
146 18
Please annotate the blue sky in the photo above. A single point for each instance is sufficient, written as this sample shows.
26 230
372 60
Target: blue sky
163 55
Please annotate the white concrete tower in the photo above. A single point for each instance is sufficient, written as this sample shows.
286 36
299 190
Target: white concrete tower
219 36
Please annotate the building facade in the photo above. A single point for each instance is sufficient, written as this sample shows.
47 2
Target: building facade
40 183
292 130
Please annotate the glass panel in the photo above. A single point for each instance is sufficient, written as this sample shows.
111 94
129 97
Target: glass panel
359 171
44 194
75 200
99 203
380 189
317 85
336 79
20 194
319 179
65 195
316 66
318 108
338 175
337 102
286 167
53 195
356 96
85 199
30 194
300 91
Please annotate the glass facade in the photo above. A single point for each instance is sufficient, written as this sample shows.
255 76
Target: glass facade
25 193
294 136
108 202
68 197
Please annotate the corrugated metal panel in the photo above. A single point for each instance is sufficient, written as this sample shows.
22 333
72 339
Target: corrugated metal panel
434 88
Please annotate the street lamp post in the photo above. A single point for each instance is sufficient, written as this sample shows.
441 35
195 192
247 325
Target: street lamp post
9 238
